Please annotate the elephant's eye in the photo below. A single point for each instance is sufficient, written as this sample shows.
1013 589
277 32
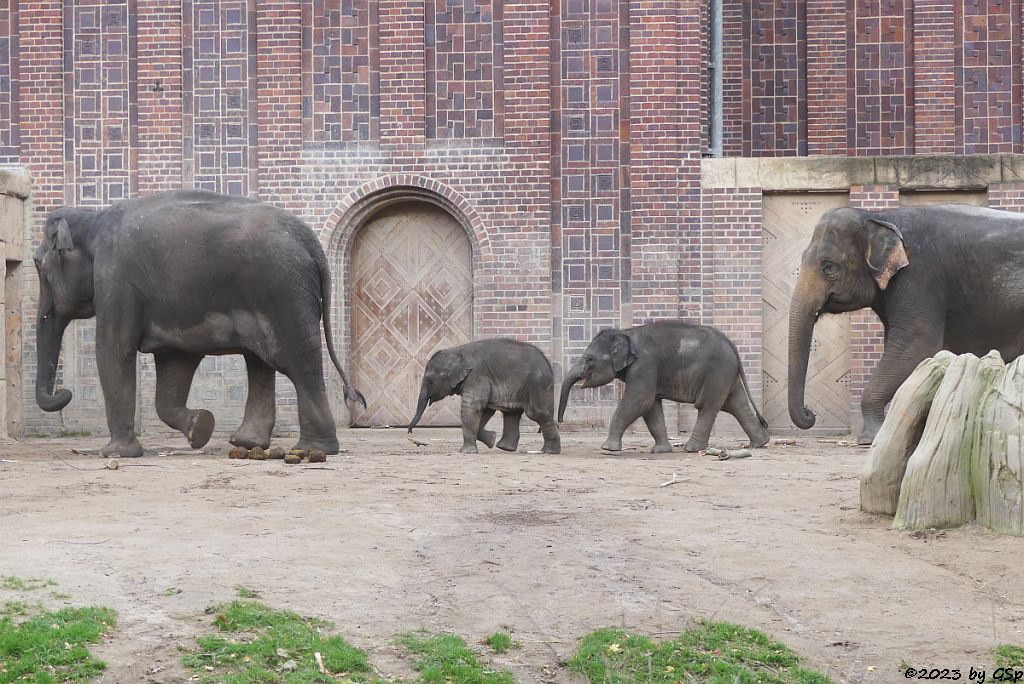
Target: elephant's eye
829 269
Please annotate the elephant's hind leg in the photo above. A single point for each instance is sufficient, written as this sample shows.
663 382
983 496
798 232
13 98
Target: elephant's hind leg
174 373
739 407
258 423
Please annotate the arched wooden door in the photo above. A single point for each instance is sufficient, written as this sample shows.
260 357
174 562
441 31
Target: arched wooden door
412 294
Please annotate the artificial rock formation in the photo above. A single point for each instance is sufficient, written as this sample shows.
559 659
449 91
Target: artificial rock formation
951 449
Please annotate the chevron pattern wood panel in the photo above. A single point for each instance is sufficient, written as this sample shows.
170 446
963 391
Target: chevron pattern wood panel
412 295
789 221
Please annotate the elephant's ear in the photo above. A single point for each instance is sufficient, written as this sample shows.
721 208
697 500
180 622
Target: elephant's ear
623 352
457 370
59 237
886 251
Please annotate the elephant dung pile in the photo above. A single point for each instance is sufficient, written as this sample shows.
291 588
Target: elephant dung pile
951 450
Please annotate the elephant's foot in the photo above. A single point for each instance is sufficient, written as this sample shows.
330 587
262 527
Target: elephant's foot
122 449
468 449
508 444
328 445
865 439
612 445
250 438
661 449
487 437
694 445
199 429
760 441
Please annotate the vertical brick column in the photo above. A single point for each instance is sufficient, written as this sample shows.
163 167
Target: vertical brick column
41 129
279 99
159 96
731 251
402 75
866 332
826 77
934 77
655 106
735 85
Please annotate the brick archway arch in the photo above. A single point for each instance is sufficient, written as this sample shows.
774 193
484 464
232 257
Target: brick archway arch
405 252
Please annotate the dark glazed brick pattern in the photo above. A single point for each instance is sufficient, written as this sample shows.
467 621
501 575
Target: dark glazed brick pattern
464 41
344 68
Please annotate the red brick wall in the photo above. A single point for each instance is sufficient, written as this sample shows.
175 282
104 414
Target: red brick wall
883 77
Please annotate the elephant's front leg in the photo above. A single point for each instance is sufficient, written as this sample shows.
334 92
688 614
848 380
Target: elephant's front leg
903 352
655 419
510 430
472 412
258 423
635 403
115 361
484 435
174 373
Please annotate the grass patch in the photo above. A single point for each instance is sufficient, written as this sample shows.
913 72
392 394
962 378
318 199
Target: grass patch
171 591
258 644
714 652
51 647
501 641
446 658
1008 656
246 592
29 584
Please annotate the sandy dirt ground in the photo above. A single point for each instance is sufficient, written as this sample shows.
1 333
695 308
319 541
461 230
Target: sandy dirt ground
391 536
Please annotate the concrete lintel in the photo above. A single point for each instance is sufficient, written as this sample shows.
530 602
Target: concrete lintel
946 172
15 182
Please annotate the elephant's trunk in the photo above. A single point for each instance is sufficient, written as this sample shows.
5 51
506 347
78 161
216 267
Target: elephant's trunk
574 375
421 406
803 314
49 335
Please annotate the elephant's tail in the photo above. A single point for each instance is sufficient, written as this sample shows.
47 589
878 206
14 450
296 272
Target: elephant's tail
750 398
351 393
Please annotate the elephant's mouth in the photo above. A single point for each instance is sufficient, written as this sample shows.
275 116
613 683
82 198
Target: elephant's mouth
587 377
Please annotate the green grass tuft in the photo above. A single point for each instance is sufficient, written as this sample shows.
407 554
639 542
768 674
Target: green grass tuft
246 592
501 641
446 658
1008 656
258 644
51 647
714 652
29 584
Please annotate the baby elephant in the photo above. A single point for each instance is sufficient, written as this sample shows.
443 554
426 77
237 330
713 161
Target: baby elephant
668 360
493 375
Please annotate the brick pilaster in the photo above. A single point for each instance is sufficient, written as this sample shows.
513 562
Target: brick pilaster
866 332
402 69
934 77
826 77
159 96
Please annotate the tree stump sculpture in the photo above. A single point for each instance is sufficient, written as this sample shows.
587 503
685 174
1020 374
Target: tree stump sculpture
951 449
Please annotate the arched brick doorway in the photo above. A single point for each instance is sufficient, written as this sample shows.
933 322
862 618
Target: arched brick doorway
411 285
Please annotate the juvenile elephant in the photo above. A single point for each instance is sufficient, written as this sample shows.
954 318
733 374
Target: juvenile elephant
184 274
940 277
493 375
668 360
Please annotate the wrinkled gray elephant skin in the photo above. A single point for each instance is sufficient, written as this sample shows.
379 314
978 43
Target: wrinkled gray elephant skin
181 275
672 360
939 277
493 375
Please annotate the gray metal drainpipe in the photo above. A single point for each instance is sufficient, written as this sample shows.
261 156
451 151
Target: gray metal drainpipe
715 69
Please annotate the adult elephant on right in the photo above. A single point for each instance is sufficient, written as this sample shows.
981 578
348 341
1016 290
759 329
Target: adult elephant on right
940 277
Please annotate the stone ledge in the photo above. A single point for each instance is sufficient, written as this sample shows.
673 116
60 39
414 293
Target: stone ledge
15 182
934 172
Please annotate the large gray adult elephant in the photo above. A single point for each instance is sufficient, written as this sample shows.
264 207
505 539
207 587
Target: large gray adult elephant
672 360
181 275
940 277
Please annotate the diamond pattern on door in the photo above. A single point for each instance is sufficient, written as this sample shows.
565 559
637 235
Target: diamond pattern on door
788 223
412 294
